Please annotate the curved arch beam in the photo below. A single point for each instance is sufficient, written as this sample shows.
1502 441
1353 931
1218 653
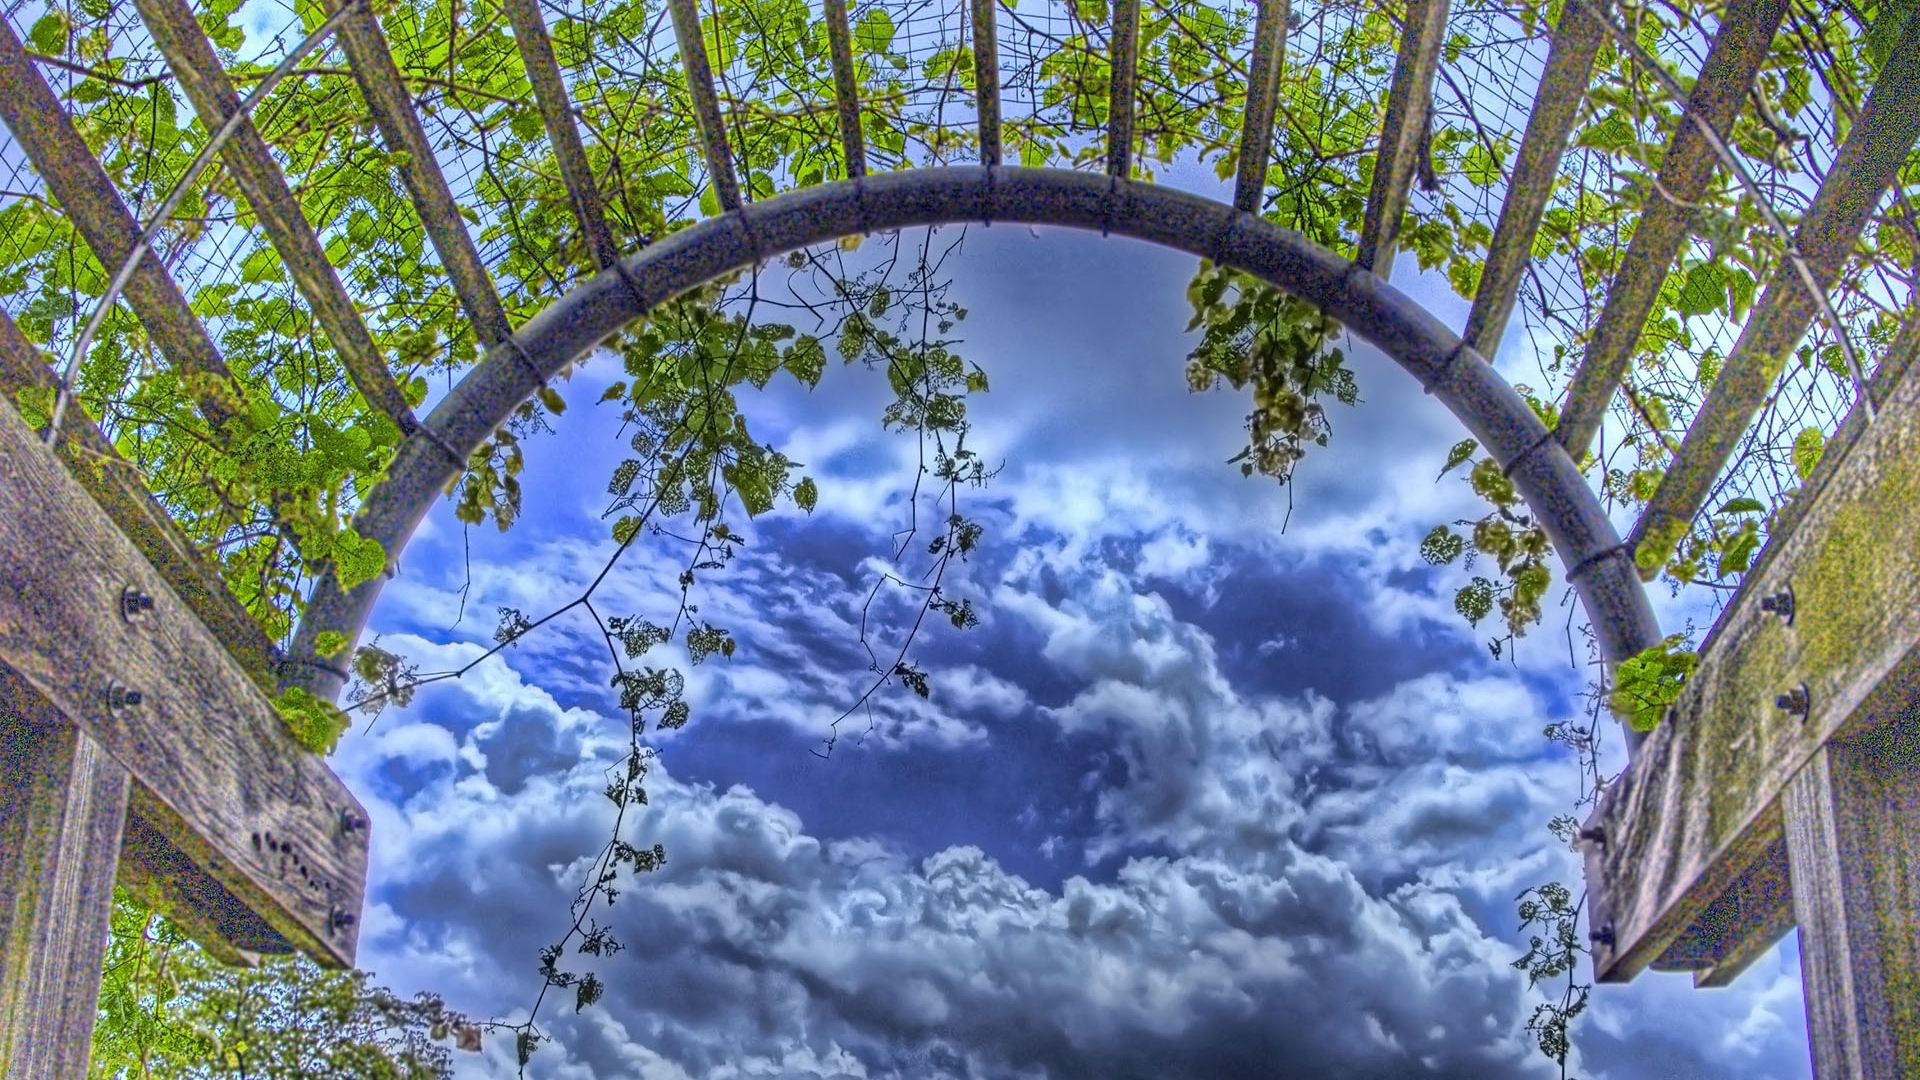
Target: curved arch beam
1600 567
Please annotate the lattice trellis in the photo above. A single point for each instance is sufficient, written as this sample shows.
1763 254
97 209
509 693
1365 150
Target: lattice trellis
1483 134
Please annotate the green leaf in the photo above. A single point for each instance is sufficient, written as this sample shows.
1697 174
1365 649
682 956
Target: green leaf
1475 600
1704 291
1742 505
49 34
316 724
552 400
329 643
264 264
1646 684
1461 451
1808 447
1442 546
356 558
805 494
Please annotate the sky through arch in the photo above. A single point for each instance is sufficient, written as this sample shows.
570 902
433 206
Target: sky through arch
1197 798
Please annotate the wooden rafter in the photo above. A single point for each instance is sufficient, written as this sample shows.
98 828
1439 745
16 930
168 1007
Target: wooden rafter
556 113
251 164
1263 92
846 92
1403 135
1690 162
75 178
392 110
706 104
1125 50
986 79
1563 86
1876 147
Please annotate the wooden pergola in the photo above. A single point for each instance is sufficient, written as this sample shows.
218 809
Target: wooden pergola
1781 790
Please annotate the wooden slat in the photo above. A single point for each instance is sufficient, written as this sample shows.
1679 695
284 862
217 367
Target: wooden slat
392 110
1700 804
1854 841
62 805
846 92
1264 64
1749 918
224 781
1563 86
1882 136
1402 136
251 164
1718 96
706 104
986 79
556 113
81 187
1124 51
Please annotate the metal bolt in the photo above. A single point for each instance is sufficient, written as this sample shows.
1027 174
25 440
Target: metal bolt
1796 702
1595 835
134 603
120 697
343 919
351 822
1780 603
1602 935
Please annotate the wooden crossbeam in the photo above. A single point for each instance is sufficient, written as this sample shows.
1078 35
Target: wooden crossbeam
1124 50
1563 86
198 69
846 92
1264 64
371 59
115 485
986 79
41 126
1718 96
1704 808
1403 135
706 104
1875 149
217 774
556 113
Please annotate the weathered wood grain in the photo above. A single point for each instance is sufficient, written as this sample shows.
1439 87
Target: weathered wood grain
1699 805
1402 134
62 804
1853 838
223 780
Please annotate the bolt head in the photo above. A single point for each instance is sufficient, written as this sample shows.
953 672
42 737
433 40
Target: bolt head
351 822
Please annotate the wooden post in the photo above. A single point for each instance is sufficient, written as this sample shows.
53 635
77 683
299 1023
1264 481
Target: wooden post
63 805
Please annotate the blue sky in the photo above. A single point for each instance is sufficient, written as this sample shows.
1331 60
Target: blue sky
1197 798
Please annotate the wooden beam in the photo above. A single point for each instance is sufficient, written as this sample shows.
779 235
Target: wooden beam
77 182
706 104
62 805
1124 50
986 79
846 92
1876 147
1854 840
251 164
1718 96
371 59
1403 135
1700 804
117 488
1563 86
217 772
556 113
1264 64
